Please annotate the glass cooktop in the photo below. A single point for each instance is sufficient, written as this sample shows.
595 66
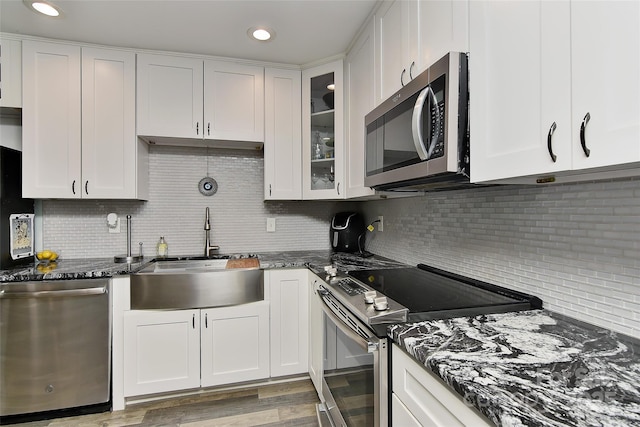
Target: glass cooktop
428 294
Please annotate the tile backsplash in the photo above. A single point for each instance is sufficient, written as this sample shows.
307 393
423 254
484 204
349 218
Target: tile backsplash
176 210
575 246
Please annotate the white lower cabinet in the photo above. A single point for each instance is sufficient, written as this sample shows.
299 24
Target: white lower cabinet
234 344
401 415
289 304
419 398
181 349
316 334
161 351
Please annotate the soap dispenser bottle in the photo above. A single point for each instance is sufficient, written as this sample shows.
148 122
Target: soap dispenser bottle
163 247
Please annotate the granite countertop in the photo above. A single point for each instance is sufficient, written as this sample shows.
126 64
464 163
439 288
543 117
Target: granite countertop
533 368
64 269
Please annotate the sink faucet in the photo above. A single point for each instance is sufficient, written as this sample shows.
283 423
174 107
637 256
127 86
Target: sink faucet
208 247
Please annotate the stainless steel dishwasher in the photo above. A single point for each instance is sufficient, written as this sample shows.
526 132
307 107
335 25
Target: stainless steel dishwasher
55 346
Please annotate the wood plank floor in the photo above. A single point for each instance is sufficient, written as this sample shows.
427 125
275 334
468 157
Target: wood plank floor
288 404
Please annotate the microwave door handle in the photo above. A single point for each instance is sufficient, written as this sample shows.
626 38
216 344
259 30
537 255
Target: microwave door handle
426 96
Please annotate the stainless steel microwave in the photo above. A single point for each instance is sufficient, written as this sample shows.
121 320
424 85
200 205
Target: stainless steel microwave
419 137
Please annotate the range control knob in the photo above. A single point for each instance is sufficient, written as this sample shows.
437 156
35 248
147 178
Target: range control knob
369 297
331 270
381 303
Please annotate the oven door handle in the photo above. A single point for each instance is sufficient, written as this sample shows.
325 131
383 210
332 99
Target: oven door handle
366 344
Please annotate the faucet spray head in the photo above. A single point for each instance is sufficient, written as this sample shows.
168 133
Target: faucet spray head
207 225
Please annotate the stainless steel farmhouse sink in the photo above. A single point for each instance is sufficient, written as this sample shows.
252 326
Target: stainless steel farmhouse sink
194 283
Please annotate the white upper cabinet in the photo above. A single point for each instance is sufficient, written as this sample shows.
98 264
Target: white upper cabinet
519 84
169 91
113 161
323 159
546 76
51 121
359 88
283 136
398 36
191 99
605 72
10 73
444 28
78 117
233 101
413 34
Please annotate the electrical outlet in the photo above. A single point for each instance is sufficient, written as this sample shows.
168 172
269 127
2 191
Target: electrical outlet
271 225
381 223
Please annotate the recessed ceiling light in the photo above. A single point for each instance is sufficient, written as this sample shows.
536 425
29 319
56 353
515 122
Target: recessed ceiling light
261 33
42 6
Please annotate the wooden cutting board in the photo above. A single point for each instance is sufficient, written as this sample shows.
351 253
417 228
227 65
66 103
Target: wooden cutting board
243 263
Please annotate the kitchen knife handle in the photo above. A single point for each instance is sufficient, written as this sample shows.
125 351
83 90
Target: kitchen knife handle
549 145
583 142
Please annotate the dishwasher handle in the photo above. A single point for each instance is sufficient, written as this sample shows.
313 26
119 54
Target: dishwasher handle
53 294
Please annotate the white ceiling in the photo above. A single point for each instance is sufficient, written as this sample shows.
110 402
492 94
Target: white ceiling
306 30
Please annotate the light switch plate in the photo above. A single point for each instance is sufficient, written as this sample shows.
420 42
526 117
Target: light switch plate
271 225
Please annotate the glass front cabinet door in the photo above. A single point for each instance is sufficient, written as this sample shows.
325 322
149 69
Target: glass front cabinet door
322 132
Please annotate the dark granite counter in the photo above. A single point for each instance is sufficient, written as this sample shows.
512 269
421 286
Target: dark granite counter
64 269
532 368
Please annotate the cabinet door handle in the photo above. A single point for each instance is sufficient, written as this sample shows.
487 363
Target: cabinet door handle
338 188
269 190
411 68
206 321
583 141
402 77
86 187
549 146
193 321
197 128
73 187
209 128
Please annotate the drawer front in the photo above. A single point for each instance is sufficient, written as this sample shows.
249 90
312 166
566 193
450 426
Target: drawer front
428 399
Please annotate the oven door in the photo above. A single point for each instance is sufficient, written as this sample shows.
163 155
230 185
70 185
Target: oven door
354 389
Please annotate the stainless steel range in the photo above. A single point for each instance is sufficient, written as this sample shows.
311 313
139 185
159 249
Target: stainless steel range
360 306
